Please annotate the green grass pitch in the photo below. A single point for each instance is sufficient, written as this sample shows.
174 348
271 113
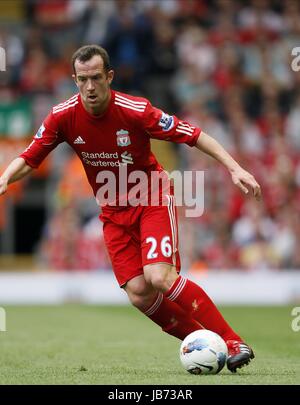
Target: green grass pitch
77 344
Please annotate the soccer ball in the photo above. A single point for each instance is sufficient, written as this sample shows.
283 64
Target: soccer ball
203 352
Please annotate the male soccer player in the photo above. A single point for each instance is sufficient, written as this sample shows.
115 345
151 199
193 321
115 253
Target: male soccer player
109 130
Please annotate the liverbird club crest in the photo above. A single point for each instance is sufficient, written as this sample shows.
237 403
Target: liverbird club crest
123 138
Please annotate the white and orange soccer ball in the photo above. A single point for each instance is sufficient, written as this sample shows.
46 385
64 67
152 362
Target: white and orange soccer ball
203 352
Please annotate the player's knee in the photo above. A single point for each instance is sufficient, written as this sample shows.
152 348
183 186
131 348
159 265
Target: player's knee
144 301
161 282
160 276
138 301
140 293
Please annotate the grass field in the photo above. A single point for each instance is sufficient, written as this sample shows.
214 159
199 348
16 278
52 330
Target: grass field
76 344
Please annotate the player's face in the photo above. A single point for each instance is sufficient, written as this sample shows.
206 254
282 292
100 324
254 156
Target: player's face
93 83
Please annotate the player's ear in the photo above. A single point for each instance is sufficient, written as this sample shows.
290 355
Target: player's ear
110 76
75 80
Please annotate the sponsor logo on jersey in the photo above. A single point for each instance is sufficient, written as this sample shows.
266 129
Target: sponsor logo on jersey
79 141
100 155
166 122
104 159
101 159
123 138
39 133
127 158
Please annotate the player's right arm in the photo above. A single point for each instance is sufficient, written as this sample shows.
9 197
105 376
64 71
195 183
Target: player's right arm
16 170
45 140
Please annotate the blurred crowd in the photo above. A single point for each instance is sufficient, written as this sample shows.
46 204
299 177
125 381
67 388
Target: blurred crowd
223 65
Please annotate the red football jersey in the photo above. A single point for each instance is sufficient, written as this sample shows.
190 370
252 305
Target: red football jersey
121 136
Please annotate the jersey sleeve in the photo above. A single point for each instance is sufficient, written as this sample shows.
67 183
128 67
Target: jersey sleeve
160 125
45 140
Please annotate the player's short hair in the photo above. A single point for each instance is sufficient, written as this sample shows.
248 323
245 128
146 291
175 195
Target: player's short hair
86 53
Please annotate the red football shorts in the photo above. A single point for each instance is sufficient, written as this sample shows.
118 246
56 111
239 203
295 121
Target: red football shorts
136 236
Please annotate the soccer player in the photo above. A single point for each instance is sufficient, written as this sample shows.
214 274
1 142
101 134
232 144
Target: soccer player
109 130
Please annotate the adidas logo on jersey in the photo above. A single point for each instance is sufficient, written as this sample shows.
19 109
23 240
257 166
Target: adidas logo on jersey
79 141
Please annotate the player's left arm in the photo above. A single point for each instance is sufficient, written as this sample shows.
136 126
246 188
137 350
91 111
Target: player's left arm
240 177
160 125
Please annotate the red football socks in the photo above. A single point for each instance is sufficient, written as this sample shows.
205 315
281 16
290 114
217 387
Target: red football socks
195 302
171 317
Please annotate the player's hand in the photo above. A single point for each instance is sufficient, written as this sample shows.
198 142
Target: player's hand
244 180
3 186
